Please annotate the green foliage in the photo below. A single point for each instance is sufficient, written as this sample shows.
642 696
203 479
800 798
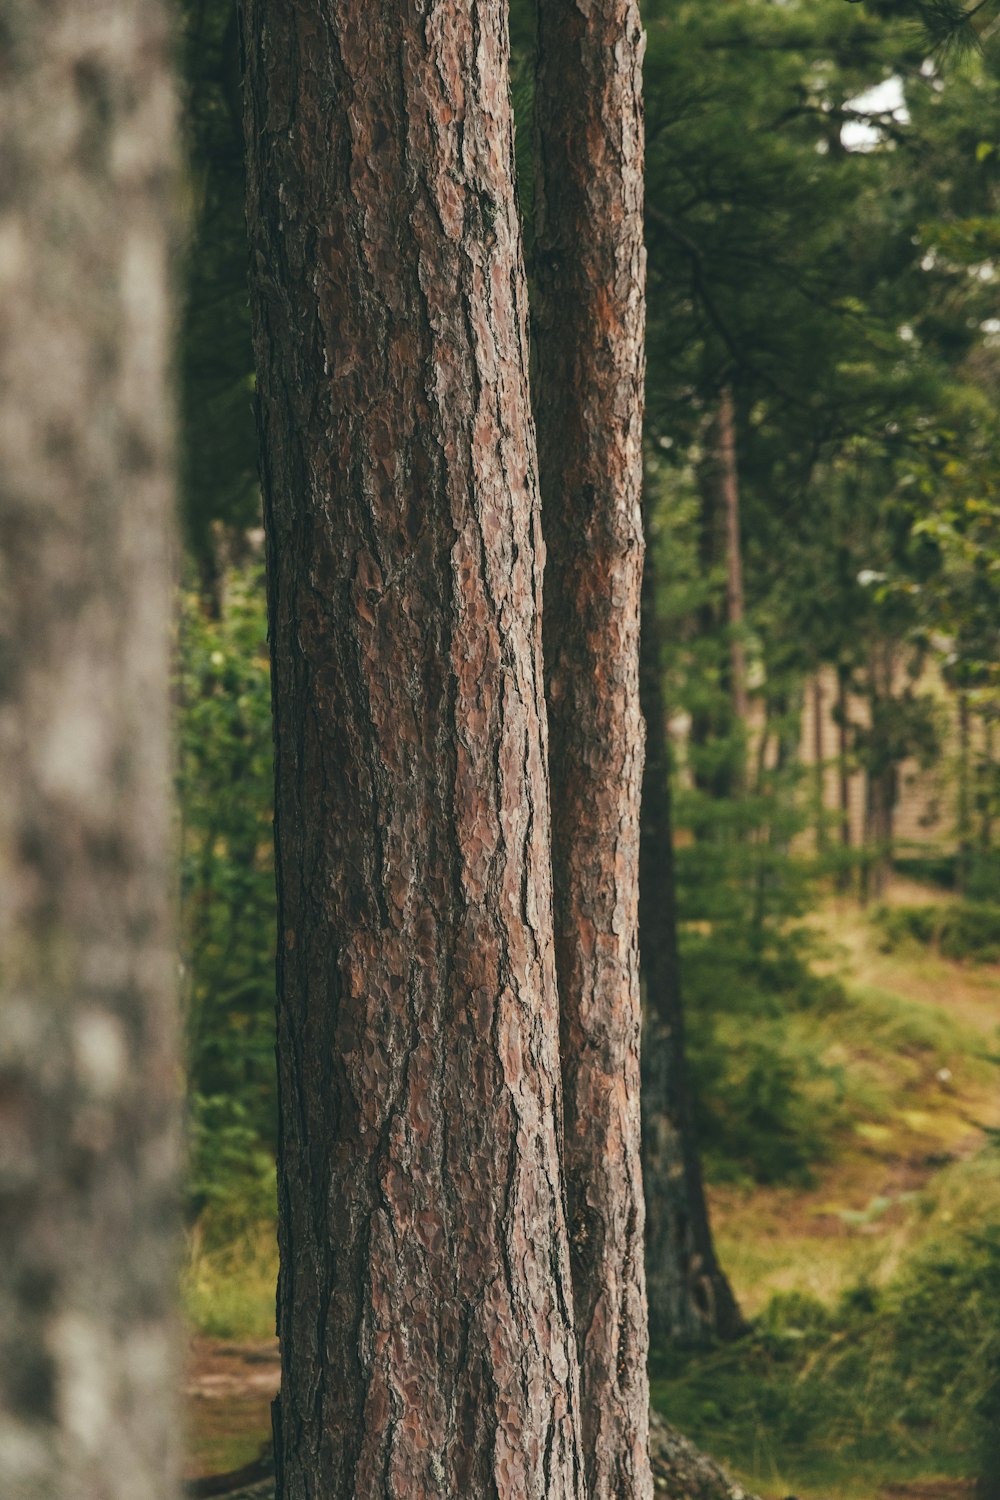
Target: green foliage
929 869
227 894
890 1382
218 436
960 930
768 1108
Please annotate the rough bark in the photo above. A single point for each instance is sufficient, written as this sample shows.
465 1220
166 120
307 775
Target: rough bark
588 383
87 1024
682 1472
424 1299
690 1299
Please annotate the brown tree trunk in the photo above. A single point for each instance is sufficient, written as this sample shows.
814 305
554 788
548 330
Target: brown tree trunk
88 1086
690 1299
590 264
424 1298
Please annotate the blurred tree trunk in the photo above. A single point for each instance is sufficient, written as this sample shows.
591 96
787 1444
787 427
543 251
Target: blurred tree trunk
842 716
719 546
819 763
881 765
590 322
424 1299
730 484
987 785
88 1064
964 821
690 1299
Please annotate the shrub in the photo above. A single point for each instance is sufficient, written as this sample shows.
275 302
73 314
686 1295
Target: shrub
962 930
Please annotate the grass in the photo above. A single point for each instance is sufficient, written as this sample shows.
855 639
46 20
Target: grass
227 1290
875 1286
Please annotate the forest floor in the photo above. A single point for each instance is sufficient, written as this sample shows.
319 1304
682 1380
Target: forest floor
914 1048
920 1090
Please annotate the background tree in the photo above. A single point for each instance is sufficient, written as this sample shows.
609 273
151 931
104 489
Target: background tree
690 1299
88 1373
424 1299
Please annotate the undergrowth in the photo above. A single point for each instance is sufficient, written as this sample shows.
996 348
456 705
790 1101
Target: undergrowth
229 1278
959 930
887 1383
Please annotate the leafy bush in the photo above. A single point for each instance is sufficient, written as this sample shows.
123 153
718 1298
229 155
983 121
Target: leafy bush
886 1383
767 1106
964 929
227 894
971 929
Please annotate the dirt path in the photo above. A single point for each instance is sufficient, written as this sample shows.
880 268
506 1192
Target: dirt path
228 1390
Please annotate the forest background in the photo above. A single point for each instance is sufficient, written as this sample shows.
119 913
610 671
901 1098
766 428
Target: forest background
823 517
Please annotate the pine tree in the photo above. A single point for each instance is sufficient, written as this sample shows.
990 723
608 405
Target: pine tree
424 1300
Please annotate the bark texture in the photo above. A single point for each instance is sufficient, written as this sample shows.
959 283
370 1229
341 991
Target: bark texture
588 383
690 1299
424 1300
87 1057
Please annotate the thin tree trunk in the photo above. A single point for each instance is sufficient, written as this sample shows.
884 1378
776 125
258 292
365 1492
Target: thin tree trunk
424 1298
734 555
819 763
590 265
690 1300
843 773
964 790
987 788
88 1087
881 772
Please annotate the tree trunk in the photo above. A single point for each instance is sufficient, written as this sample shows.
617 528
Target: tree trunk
987 787
590 265
843 773
88 1065
881 771
690 1300
729 479
819 763
964 828
424 1297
